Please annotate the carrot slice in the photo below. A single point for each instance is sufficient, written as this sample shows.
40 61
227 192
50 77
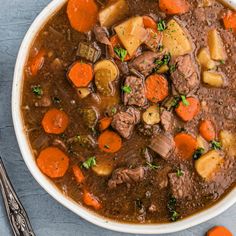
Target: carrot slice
188 112
148 22
53 162
104 123
207 130
230 21
109 141
78 174
82 14
55 121
37 62
174 6
156 88
219 231
90 200
186 145
80 74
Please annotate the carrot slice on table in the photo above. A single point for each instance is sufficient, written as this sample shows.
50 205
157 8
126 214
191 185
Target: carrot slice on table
156 88
188 112
104 123
80 74
55 121
207 130
186 145
174 6
219 231
109 141
148 22
53 162
78 174
230 20
37 62
90 200
82 14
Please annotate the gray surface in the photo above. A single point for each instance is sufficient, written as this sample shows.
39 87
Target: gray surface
47 216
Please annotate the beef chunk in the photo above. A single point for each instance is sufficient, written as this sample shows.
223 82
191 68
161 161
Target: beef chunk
166 120
185 78
137 95
45 101
123 67
128 176
101 35
162 177
124 122
162 144
182 187
154 40
145 63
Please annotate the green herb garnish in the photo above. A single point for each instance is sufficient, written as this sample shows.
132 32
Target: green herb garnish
121 53
161 25
172 68
106 146
171 206
216 145
222 62
37 90
56 100
175 216
179 173
197 154
89 163
113 111
126 89
184 100
153 166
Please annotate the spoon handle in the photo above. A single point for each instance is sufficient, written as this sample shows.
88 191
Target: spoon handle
17 216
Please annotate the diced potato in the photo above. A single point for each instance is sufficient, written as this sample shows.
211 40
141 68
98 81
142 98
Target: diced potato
163 69
83 92
206 3
152 115
202 143
228 142
176 40
212 78
128 33
205 60
208 164
113 13
103 167
216 46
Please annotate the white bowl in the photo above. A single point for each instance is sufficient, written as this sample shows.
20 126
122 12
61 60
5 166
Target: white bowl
29 159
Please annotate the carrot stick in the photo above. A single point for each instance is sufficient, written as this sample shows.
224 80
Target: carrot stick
109 141
90 200
80 74
188 112
230 21
219 231
148 22
37 62
78 174
104 123
207 130
82 14
55 121
186 145
156 88
53 162
174 6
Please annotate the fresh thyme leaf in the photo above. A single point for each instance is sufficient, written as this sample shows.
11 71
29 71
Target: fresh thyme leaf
37 90
89 163
161 25
216 145
184 100
121 53
126 89
153 166
197 154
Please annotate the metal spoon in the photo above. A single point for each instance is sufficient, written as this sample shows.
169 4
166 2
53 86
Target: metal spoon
17 216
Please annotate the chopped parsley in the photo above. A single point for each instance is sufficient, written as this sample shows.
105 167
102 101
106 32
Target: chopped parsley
216 145
89 163
121 53
164 61
161 25
37 90
113 111
126 89
153 166
106 146
222 62
197 154
184 100
56 100
172 68
171 206
179 173
175 216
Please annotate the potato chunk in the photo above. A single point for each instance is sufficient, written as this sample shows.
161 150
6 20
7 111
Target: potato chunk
212 78
228 141
152 115
113 13
202 143
209 163
103 167
129 33
175 39
83 92
205 60
216 46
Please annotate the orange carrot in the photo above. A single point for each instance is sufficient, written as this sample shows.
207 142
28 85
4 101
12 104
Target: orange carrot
219 231
174 6
53 162
188 112
104 123
207 130
82 14
230 21
37 62
109 141
148 22
186 145
90 200
55 121
78 174
80 74
156 88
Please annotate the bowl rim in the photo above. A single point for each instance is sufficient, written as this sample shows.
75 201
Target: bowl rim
47 184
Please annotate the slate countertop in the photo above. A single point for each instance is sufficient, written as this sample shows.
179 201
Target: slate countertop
48 218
